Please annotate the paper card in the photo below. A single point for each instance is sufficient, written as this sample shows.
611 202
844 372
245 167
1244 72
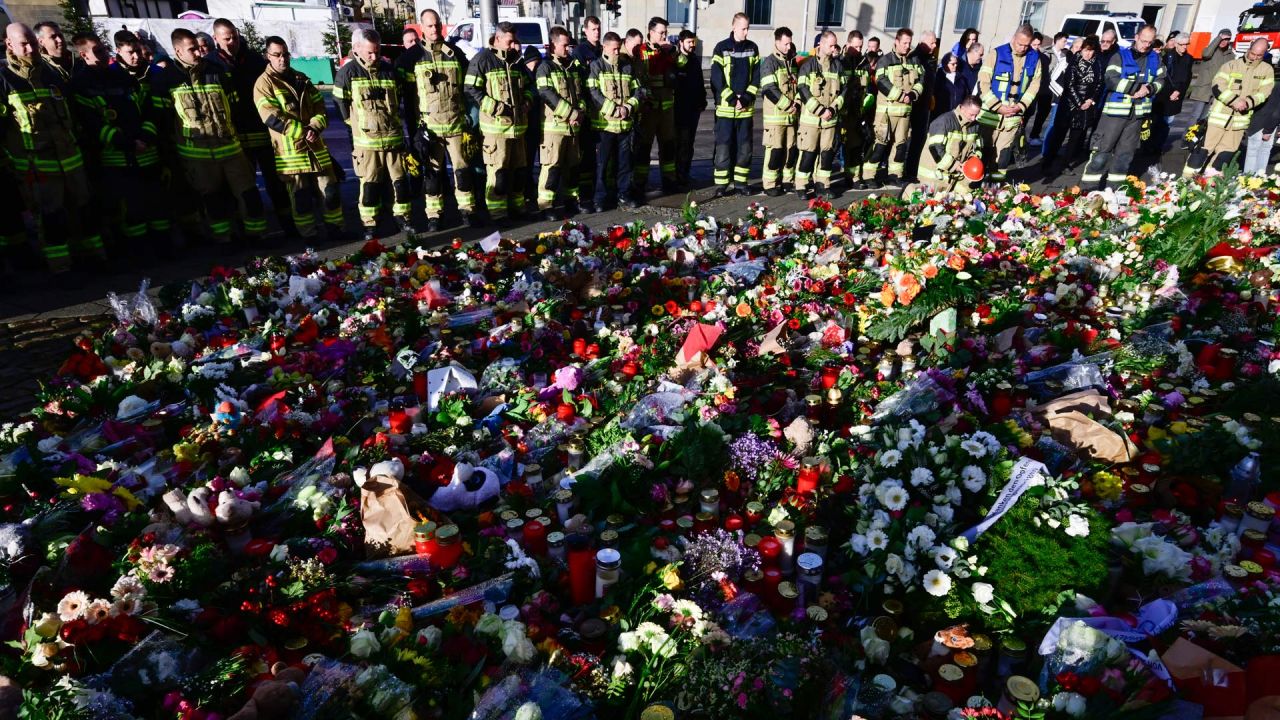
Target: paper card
491 242
770 344
700 340
450 378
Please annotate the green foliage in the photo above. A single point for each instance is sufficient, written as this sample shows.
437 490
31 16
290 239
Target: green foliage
55 702
249 33
942 292
331 41
225 679
698 453
1185 239
76 20
1030 565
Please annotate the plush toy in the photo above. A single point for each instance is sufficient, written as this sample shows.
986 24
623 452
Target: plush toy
276 697
469 488
176 502
233 513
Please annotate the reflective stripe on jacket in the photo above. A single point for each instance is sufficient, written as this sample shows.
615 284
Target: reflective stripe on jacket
39 131
440 78
1240 80
735 77
288 105
114 113
368 100
502 87
896 76
611 84
1006 78
201 97
561 90
950 143
778 84
1125 74
821 88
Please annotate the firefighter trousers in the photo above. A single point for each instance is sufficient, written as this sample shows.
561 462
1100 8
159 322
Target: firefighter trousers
817 156
1114 144
1000 146
305 189
654 124
1220 148
504 161
559 155
57 200
780 155
371 165
614 147
732 155
435 177
221 183
133 194
892 137
13 233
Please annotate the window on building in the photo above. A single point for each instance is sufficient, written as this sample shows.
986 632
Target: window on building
1094 8
898 15
678 12
1033 12
830 13
759 12
968 15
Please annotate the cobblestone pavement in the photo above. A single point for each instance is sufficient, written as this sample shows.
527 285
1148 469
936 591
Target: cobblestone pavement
40 320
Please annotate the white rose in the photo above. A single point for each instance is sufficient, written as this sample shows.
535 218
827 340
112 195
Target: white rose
429 637
529 711
364 643
983 593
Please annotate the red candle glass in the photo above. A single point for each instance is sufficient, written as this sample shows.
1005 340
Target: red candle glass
830 374
535 537
582 570
448 548
809 475
733 522
769 549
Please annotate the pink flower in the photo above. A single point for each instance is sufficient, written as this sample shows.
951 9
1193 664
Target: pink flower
742 700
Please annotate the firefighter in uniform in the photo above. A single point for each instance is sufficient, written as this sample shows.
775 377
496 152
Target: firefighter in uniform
39 139
822 94
562 91
859 104
501 86
615 100
245 66
1133 77
365 92
293 111
781 114
953 138
735 73
1008 83
115 119
201 96
899 84
657 59
1240 87
439 78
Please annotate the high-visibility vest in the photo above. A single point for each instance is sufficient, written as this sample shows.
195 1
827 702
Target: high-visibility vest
1119 102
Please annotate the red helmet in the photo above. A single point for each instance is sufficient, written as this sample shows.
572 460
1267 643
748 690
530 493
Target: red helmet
973 169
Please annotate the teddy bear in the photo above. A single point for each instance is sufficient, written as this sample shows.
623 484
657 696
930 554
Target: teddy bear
190 507
233 513
274 698
469 488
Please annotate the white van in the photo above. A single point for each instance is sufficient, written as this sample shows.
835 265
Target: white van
1126 26
468 36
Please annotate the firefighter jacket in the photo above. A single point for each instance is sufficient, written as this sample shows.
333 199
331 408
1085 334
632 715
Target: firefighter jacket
200 97
502 88
735 77
950 143
821 89
245 68
778 85
613 83
114 113
35 120
1007 78
896 76
1124 75
658 66
562 91
368 101
288 105
439 77
1240 79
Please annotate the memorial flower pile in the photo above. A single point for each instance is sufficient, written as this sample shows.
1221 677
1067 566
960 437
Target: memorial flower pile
1000 456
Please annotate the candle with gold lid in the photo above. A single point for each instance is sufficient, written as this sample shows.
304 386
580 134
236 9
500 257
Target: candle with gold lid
785 533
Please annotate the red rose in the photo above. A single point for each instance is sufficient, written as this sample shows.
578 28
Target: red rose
565 413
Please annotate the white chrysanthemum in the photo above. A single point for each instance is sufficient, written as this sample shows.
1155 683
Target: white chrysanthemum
890 458
944 556
921 536
973 477
921 476
877 540
895 499
73 606
1077 526
974 448
937 583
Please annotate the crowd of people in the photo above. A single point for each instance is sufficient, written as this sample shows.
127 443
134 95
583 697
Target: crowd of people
108 152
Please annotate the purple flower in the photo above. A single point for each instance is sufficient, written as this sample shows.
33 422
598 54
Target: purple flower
749 453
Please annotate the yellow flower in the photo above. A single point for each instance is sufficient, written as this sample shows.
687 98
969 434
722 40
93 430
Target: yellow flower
1178 427
657 310
541 249
671 578
1147 228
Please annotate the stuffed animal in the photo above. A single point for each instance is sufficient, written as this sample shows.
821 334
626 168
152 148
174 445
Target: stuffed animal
469 488
276 697
233 513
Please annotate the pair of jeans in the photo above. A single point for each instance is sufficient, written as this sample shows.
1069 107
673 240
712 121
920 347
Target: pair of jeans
1257 153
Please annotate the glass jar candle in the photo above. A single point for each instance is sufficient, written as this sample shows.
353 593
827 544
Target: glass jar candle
534 537
755 512
951 682
809 474
813 407
608 568
609 538
1257 516
684 526
424 538
908 364
515 528
785 533
574 451
709 502
815 540
556 546
809 566
582 569
1018 690
533 476
448 548
564 505
769 548
704 522
753 581
884 368
733 522
1230 518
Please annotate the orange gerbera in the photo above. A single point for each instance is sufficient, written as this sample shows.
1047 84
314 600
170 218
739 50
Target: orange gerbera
886 295
930 271
743 310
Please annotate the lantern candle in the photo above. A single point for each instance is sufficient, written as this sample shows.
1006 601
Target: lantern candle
785 533
424 538
809 474
769 548
535 537
608 562
448 548
582 570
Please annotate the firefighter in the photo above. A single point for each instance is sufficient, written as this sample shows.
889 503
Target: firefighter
201 97
365 92
691 100
658 60
439 77
899 85
735 81
562 92
499 84
39 139
116 121
1007 83
586 51
1133 77
54 50
615 99
1240 87
781 114
822 95
953 138
245 66
293 112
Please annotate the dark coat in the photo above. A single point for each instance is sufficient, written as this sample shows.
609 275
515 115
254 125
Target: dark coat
1267 117
1177 70
947 94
